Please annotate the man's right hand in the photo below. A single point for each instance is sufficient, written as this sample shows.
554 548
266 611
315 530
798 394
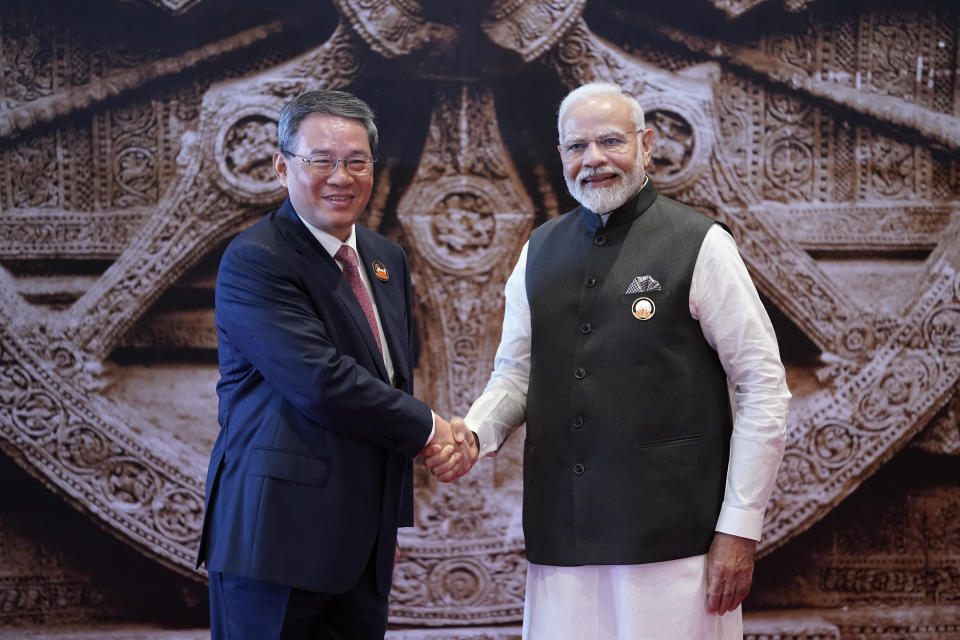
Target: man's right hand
450 460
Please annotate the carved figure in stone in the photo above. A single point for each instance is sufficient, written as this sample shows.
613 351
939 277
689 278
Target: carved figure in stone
624 319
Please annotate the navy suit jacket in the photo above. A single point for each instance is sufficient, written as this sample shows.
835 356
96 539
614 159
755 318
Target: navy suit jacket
312 470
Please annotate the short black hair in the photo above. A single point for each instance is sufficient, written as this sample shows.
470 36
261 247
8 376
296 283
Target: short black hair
337 103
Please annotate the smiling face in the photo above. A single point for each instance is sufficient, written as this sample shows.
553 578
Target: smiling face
602 180
331 203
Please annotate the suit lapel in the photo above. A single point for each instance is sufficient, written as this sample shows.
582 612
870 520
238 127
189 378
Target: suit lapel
388 295
303 241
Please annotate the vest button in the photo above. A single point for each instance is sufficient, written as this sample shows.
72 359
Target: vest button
577 422
600 240
591 281
585 328
578 469
580 373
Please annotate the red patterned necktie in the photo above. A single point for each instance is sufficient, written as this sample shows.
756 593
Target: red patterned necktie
348 258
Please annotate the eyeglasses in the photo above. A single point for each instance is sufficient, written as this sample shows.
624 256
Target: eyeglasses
325 165
613 142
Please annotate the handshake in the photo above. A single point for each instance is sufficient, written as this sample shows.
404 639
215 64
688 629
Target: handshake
452 451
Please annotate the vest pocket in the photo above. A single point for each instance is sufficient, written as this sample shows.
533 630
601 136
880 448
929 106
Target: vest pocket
656 296
670 441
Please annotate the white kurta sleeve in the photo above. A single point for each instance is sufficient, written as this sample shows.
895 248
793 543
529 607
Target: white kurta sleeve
724 300
501 408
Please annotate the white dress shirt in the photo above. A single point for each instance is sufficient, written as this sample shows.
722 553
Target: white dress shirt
661 599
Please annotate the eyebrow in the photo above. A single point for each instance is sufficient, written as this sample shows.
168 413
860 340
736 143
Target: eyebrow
331 152
605 132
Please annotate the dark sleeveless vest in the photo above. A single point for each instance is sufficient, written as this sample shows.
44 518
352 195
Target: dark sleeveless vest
628 419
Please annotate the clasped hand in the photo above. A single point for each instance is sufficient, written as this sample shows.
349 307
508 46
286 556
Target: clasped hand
452 451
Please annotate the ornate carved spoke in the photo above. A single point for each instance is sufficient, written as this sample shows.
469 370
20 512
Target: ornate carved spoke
465 215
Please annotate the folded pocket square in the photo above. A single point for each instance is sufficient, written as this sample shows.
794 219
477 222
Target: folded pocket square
641 284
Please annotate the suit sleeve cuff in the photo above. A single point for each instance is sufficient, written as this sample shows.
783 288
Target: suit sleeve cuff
433 428
740 522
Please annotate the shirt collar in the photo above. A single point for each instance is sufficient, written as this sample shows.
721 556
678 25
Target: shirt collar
330 242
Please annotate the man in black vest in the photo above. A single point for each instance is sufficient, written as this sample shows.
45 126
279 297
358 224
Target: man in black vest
625 319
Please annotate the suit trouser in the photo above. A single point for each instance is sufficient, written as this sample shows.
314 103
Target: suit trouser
244 608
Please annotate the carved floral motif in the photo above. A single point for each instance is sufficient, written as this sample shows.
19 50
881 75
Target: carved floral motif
674 142
179 515
891 167
942 329
393 27
83 449
530 27
27 69
245 146
33 173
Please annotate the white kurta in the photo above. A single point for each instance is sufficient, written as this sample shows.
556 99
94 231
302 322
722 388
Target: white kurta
655 600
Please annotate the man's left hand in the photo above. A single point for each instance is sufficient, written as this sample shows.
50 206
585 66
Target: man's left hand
729 571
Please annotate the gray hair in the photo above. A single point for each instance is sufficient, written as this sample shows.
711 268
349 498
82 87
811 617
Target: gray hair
337 103
595 90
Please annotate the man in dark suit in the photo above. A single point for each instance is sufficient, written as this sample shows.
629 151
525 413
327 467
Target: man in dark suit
312 471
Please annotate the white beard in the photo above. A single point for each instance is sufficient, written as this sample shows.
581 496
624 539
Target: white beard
606 199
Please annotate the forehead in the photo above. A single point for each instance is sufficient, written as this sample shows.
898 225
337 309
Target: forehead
591 115
327 132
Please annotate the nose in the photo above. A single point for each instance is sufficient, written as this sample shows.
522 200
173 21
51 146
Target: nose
593 155
340 175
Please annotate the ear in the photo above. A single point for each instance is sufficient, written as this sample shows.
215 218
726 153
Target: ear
280 167
646 145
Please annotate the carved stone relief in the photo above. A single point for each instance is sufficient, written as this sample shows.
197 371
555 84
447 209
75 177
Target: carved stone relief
465 215
829 150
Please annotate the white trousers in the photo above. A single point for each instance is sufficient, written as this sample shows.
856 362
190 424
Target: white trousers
657 601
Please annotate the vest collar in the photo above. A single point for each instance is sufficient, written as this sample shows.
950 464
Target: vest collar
625 213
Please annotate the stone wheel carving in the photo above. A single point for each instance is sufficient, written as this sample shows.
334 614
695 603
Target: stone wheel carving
792 182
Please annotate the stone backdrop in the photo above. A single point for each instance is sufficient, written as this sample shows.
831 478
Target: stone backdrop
135 141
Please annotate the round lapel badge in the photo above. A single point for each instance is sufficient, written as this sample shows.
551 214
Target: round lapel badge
643 308
380 270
